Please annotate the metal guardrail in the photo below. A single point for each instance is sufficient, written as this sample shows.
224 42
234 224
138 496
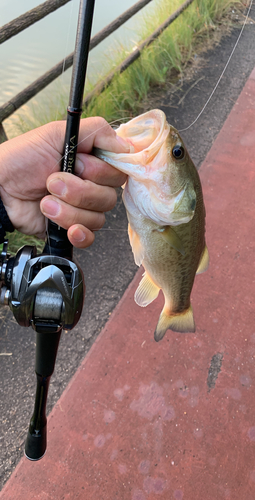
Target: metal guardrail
135 53
34 15
30 17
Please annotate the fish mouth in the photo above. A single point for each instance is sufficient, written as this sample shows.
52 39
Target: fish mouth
146 134
146 164
144 131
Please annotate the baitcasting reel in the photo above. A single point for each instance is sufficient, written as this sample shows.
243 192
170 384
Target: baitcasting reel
44 291
47 293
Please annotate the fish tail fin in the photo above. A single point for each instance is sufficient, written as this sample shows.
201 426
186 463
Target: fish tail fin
182 322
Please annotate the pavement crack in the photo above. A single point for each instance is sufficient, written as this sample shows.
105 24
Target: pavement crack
214 370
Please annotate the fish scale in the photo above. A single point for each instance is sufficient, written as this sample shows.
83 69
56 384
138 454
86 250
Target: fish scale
166 214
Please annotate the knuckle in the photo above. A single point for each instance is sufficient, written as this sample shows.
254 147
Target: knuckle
76 192
101 122
112 199
100 219
76 218
80 199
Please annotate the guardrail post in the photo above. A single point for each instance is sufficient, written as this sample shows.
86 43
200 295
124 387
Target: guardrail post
3 136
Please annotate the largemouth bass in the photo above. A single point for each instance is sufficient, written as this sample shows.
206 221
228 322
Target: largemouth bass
165 209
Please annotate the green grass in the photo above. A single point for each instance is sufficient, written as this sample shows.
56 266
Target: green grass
165 57
163 61
17 240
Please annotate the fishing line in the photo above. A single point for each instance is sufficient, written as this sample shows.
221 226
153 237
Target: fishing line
228 61
207 102
128 118
110 229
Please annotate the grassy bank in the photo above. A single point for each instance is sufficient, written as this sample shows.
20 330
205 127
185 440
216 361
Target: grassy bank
166 58
163 62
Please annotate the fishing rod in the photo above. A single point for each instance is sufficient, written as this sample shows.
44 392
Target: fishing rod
47 291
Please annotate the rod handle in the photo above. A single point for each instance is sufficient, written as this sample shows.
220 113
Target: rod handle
46 353
36 442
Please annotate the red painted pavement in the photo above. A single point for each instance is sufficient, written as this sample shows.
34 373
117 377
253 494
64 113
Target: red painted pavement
137 421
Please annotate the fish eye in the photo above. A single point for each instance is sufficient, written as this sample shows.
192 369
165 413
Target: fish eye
178 152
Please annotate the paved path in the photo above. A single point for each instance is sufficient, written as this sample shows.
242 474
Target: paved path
108 265
173 420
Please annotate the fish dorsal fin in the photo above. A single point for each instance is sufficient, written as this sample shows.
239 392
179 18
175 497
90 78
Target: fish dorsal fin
136 246
204 261
146 292
171 237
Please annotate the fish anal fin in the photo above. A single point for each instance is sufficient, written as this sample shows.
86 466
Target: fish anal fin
172 238
146 292
182 323
204 261
136 246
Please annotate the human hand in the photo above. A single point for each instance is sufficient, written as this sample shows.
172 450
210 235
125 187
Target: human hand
30 169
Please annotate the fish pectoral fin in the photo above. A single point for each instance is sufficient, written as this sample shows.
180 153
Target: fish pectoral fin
204 261
136 246
146 292
172 238
182 322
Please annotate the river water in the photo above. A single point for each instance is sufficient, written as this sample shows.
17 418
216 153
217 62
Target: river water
29 54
